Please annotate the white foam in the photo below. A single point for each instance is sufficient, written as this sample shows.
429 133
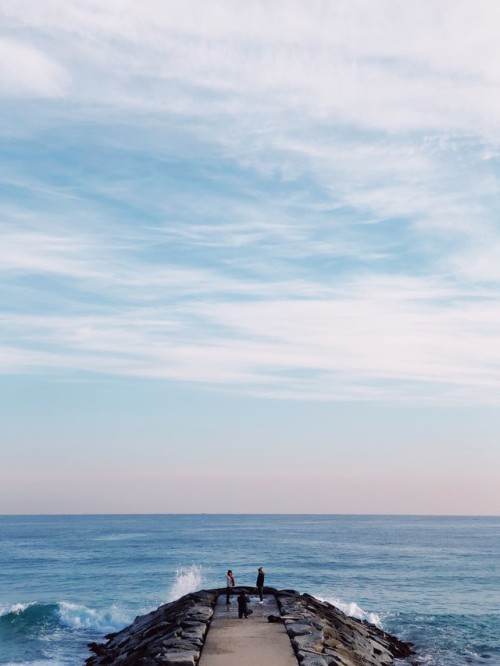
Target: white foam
43 662
17 609
187 579
77 616
352 609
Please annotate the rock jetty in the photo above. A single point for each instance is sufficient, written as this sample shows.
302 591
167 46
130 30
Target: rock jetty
172 634
320 634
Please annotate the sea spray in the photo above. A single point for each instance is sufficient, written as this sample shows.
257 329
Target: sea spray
353 610
187 579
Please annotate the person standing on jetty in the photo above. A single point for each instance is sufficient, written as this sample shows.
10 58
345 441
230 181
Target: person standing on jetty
260 583
229 585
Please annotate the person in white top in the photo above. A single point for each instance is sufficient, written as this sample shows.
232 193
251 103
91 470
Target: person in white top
229 585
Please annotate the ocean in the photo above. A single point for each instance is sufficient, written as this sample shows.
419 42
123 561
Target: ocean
68 580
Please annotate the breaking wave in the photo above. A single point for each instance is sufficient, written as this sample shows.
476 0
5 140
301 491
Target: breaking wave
352 609
29 617
26 616
77 616
40 621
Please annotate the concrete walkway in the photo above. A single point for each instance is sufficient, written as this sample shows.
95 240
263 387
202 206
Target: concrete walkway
247 642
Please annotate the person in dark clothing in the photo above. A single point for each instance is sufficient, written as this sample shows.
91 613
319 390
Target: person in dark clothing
243 610
260 582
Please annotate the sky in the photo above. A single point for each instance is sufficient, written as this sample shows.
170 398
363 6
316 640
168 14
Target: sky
250 256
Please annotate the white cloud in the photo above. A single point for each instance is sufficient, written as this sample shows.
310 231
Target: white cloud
389 65
26 71
333 234
392 340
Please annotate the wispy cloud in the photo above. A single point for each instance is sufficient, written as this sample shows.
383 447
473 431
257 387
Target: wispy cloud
26 71
294 201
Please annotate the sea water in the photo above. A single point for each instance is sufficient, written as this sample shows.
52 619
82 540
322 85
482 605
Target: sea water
68 580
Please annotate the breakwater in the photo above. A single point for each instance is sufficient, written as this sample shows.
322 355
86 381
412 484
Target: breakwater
320 634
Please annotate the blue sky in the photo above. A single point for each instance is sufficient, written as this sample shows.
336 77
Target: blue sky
249 256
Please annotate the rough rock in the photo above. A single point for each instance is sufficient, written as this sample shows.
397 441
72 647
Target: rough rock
320 634
171 635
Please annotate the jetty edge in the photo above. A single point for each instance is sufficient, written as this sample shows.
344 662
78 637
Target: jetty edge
320 634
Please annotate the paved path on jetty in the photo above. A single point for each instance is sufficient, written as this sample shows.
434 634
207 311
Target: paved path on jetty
251 642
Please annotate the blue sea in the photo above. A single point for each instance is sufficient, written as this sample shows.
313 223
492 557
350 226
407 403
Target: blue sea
68 580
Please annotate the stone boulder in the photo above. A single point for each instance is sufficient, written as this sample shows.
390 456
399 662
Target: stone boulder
322 635
173 634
